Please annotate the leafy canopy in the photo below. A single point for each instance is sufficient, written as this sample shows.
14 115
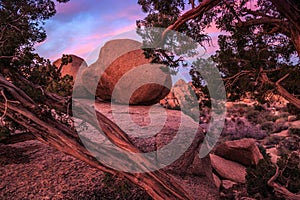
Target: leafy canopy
257 46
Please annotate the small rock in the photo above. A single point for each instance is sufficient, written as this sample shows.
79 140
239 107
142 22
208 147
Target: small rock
273 152
228 184
292 118
294 128
228 169
284 133
280 120
217 181
247 198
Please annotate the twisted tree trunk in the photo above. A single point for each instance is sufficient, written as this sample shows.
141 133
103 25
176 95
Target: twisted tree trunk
24 111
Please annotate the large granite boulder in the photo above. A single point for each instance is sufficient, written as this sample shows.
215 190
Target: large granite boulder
244 151
124 75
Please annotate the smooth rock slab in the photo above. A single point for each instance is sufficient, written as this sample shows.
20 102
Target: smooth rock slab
228 169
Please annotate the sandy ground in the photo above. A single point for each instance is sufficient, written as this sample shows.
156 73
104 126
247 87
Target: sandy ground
32 170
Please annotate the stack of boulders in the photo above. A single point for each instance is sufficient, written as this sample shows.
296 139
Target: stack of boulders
182 94
229 162
121 74
185 97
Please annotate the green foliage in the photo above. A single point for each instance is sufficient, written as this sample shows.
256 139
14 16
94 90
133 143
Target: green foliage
244 52
293 109
267 126
257 178
252 116
290 172
21 28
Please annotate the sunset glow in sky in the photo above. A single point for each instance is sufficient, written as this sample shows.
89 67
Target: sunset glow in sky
80 26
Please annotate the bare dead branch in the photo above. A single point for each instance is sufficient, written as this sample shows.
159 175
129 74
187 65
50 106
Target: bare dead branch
281 79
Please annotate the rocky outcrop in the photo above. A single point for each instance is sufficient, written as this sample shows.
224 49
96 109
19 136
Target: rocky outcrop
123 74
228 169
183 96
169 132
244 151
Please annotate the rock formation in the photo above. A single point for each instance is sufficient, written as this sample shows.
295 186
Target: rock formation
243 151
182 93
71 68
185 97
122 74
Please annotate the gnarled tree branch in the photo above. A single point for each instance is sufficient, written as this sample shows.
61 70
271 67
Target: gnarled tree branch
203 7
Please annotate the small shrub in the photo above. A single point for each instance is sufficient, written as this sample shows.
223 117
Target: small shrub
252 116
294 131
290 143
293 109
257 178
290 174
258 107
271 117
267 126
273 140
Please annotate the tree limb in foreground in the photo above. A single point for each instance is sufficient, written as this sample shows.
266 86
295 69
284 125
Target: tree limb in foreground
158 184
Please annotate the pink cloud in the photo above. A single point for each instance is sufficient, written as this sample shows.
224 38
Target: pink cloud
90 43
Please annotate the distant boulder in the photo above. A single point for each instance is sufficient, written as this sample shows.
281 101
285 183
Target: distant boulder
127 77
71 68
183 96
74 69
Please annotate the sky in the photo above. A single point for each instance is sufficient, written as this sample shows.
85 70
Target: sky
81 26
